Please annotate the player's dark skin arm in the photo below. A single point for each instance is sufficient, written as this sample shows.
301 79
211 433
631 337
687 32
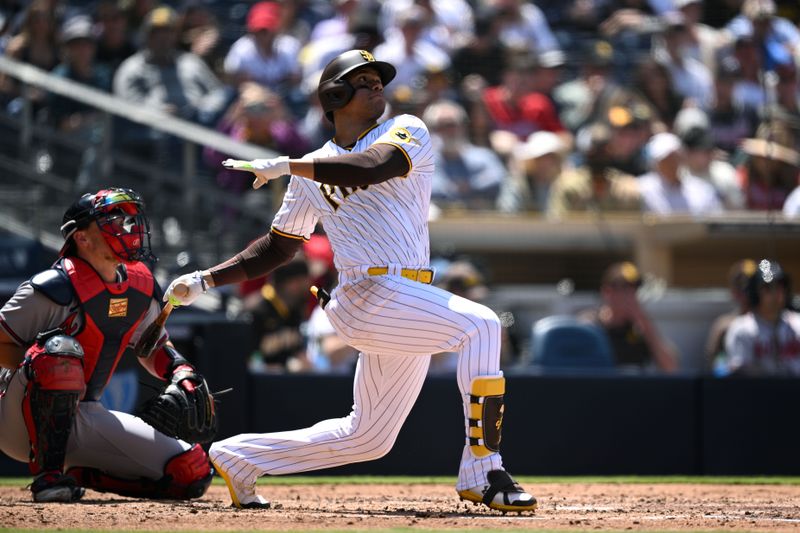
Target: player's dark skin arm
376 164
11 354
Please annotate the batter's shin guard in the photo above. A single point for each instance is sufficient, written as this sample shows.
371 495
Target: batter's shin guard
186 476
56 383
485 414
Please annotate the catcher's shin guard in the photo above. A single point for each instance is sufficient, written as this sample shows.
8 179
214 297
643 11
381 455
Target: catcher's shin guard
485 414
56 383
186 476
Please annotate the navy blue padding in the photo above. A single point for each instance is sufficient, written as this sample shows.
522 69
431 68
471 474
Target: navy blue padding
54 283
563 341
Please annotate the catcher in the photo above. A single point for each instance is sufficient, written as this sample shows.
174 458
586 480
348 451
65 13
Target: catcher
61 336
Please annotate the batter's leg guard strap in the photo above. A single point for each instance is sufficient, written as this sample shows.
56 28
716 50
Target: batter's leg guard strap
186 476
485 417
56 384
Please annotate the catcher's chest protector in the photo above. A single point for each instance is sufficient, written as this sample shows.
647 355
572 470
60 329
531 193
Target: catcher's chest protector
112 312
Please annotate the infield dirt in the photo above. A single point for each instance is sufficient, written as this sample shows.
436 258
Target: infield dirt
595 506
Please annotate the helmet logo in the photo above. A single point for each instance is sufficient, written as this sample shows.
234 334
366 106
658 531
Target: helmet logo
367 56
766 271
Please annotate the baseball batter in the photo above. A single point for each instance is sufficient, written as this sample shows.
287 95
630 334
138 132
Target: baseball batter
370 187
61 336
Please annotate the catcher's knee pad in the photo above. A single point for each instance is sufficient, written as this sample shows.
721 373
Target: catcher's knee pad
485 414
190 473
56 383
186 476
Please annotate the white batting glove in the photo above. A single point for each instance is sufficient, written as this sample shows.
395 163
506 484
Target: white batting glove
185 289
264 169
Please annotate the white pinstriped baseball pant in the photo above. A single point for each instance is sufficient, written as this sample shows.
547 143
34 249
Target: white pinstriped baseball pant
395 323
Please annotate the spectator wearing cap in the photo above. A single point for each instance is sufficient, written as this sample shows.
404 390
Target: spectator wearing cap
729 119
265 54
777 38
276 312
535 165
465 175
689 77
669 188
702 162
585 98
764 341
631 124
162 77
594 187
411 55
635 339
738 275
78 44
114 41
770 172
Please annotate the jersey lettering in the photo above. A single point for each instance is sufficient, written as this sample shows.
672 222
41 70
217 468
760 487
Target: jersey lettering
329 191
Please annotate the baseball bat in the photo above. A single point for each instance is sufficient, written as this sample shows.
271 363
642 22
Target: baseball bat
147 342
321 295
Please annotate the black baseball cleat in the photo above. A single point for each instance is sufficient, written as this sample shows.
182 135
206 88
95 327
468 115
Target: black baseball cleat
501 494
50 487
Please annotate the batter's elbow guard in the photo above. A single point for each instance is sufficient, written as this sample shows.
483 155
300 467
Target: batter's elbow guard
485 414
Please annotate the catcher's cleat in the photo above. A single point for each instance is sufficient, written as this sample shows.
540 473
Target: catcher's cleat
241 497
51 487
502 494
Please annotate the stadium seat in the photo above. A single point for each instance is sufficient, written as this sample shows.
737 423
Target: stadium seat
563 342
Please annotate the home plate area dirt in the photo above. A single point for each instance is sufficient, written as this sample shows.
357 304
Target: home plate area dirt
591 506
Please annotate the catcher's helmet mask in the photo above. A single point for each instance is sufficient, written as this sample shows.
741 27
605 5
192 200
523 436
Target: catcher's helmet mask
119 215
334 91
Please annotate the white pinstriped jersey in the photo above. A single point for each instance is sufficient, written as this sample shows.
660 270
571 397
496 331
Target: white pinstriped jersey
375 225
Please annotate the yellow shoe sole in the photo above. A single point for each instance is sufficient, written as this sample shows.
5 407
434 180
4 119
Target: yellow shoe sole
471 496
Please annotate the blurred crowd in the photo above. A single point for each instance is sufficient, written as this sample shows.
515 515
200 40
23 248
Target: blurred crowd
547 107
616 332
661 106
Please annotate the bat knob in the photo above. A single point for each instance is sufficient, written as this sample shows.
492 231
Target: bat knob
180 290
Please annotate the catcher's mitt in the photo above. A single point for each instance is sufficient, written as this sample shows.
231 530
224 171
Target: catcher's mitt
184 409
